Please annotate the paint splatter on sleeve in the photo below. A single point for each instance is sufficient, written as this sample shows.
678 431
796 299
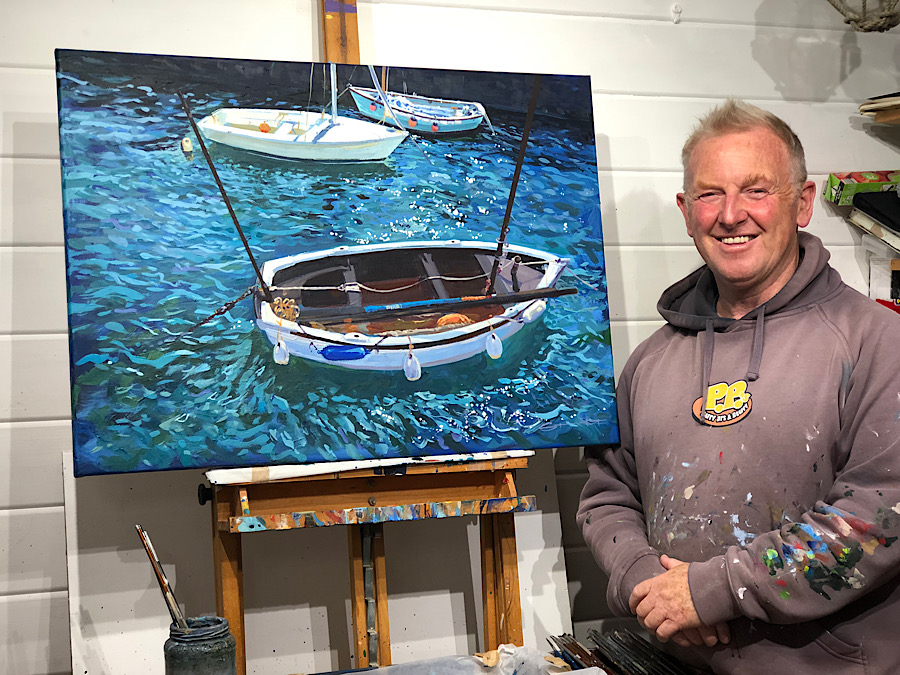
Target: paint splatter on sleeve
803 571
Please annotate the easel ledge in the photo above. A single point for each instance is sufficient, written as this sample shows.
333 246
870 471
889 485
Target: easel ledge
365 498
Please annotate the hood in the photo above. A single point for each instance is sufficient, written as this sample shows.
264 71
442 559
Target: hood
691 302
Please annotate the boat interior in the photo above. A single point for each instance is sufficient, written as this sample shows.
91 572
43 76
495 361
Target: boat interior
281 124
383 278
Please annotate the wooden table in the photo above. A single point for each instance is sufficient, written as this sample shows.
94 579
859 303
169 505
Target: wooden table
364 499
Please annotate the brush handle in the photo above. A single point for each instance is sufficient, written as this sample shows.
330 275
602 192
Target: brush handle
174 610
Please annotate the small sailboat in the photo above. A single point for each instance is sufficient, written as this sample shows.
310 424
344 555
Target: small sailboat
403 306
421 114
301 134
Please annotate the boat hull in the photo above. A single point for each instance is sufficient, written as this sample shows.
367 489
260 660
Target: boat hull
382 346
301 135
419 113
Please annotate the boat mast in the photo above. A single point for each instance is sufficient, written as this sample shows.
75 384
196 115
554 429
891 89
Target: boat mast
267 292
501 242
333 93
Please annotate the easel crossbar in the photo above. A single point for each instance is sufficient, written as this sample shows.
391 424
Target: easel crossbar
380 514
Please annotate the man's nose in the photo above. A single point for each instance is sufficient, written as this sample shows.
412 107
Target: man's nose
733 209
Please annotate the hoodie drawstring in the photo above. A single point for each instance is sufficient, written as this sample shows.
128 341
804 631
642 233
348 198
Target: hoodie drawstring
709 347
757 351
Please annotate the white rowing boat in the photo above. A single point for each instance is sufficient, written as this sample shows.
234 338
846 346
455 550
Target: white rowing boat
403 306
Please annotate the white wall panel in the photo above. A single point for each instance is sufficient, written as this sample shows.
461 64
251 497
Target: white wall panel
30 471
30 202
660 58
637 275
34 631
34 378
28 118
798 14
279 30
32 290
119 618
32 550
629 138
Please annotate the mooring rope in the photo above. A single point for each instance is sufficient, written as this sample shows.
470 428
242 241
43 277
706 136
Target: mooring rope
219 312
864 22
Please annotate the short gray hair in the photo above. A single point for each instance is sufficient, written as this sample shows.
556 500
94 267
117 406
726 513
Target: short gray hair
736 116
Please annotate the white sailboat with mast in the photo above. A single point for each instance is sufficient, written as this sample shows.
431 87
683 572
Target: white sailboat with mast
302 134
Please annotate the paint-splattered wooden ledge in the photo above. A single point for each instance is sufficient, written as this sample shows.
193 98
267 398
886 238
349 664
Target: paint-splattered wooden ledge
372 492
382 514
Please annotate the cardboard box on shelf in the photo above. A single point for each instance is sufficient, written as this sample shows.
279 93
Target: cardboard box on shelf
841 187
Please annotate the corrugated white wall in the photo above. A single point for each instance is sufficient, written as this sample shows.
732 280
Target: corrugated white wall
651 78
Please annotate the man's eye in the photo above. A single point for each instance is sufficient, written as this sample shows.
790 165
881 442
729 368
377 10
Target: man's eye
708 196
757 192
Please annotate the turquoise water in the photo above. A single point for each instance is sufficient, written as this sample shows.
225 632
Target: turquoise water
151 250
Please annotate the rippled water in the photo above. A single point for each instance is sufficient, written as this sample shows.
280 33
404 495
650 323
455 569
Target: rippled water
151 250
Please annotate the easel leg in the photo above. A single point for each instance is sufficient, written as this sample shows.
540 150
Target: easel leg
229 573
381 604
358 597
500 581
489 584
368 586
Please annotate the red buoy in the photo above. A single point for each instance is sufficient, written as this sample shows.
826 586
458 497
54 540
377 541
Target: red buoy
412 121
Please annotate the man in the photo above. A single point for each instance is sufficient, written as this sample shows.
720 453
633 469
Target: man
750 515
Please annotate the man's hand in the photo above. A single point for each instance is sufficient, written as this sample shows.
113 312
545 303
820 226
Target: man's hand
664 606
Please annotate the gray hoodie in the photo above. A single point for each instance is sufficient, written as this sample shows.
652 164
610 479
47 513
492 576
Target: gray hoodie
766 451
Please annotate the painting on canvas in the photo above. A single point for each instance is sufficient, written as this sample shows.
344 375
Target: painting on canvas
279 263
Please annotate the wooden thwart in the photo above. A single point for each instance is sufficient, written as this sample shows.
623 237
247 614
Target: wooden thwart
365 499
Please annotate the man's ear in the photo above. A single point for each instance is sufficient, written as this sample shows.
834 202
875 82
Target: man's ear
682 202
805 203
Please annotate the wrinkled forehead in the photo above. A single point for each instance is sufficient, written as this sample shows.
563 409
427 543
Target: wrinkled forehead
739 159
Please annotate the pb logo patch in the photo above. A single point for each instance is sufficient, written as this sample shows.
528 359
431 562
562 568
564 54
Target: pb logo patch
725 404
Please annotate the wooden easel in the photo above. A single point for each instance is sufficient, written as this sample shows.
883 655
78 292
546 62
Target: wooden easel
364 499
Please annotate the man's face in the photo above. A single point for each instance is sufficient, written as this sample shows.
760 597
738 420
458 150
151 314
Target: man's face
742 210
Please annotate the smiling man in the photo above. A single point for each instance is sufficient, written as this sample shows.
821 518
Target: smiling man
750 515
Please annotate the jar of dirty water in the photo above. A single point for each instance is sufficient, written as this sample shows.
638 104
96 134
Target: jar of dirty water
206 648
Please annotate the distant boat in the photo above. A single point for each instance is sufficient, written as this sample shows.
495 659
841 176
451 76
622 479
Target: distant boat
302 134
403 306
421 114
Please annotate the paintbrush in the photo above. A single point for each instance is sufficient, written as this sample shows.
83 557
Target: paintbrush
174 609
634 656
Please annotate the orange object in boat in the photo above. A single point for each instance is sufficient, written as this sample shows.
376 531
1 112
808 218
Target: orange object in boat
455 318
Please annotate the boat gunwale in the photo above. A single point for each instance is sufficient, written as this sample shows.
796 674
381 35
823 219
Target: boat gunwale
271 267
391 342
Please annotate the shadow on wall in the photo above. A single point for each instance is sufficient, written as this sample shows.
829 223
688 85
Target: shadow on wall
805 64
586 581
